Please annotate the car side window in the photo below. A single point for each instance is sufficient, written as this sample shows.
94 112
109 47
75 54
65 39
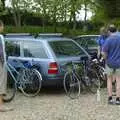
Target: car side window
87 41
12 48
92 42
84 42
34 49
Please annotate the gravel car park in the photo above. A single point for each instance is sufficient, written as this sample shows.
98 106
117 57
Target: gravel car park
55 105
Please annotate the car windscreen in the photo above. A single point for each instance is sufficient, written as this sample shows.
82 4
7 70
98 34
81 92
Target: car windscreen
65 48
87 41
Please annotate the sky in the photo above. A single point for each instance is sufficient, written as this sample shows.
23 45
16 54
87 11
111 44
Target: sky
79 16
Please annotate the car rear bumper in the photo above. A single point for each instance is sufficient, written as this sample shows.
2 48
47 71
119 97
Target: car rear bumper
53 81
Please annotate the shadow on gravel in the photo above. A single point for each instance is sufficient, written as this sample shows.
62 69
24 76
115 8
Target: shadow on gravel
52 90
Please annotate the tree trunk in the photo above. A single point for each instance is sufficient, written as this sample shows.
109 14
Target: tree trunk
43 21
73 14
85 17
16 14
74 21
3 3
54 19
55 24
19 18
15 18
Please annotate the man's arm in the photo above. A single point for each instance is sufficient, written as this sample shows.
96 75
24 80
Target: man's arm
105 49
98 49
104 55
98 52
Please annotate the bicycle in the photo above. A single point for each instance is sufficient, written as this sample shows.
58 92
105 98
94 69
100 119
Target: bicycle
98 65
26 79
78 75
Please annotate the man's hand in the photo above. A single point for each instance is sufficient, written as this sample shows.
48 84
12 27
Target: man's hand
104 55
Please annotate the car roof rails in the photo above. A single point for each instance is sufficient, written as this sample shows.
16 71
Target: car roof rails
35 35
17 34
42 35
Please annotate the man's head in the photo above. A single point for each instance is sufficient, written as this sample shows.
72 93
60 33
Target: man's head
1 26
111 29
103 31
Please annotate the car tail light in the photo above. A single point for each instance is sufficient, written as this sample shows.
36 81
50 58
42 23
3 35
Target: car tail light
53 68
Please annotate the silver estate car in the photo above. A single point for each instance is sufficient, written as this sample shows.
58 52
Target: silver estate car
46 52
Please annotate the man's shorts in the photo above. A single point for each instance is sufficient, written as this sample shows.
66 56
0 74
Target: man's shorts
111 71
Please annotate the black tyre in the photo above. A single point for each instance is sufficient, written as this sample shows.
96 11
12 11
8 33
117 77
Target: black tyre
71 85
30 82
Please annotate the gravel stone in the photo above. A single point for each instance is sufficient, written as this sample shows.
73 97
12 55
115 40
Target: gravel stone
55 105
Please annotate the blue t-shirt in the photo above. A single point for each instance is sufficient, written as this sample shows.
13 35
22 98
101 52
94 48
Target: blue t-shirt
101 40
112 49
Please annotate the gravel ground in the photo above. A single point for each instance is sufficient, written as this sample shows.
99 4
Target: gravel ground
55 105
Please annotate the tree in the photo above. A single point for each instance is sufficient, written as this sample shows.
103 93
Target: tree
2 7
111 7
19 7
42 7
3 3
75 6
88 5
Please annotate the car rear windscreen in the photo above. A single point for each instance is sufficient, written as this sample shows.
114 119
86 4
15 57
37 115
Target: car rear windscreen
65 48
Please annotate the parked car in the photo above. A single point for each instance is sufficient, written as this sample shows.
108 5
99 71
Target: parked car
89 43
47 53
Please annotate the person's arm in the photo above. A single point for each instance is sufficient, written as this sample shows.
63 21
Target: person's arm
104 55
99 46
105 49
98 52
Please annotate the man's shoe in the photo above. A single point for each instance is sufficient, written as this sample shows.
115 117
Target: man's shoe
117 101
111 101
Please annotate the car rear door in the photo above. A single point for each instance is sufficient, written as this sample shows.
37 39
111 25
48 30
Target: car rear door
66 51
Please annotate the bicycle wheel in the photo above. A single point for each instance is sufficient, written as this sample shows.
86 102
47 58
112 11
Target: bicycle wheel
103 76
71 85
94 81
10 91
30 82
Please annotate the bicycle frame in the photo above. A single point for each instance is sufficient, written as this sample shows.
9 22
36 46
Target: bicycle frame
86 68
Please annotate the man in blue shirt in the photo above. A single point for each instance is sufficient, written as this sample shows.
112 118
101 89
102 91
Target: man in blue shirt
111 53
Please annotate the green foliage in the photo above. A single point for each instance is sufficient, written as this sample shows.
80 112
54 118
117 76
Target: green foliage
111 8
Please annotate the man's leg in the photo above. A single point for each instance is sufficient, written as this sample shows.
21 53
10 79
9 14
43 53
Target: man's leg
118 86
109 85
1 100
109 80
3 83
109 88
